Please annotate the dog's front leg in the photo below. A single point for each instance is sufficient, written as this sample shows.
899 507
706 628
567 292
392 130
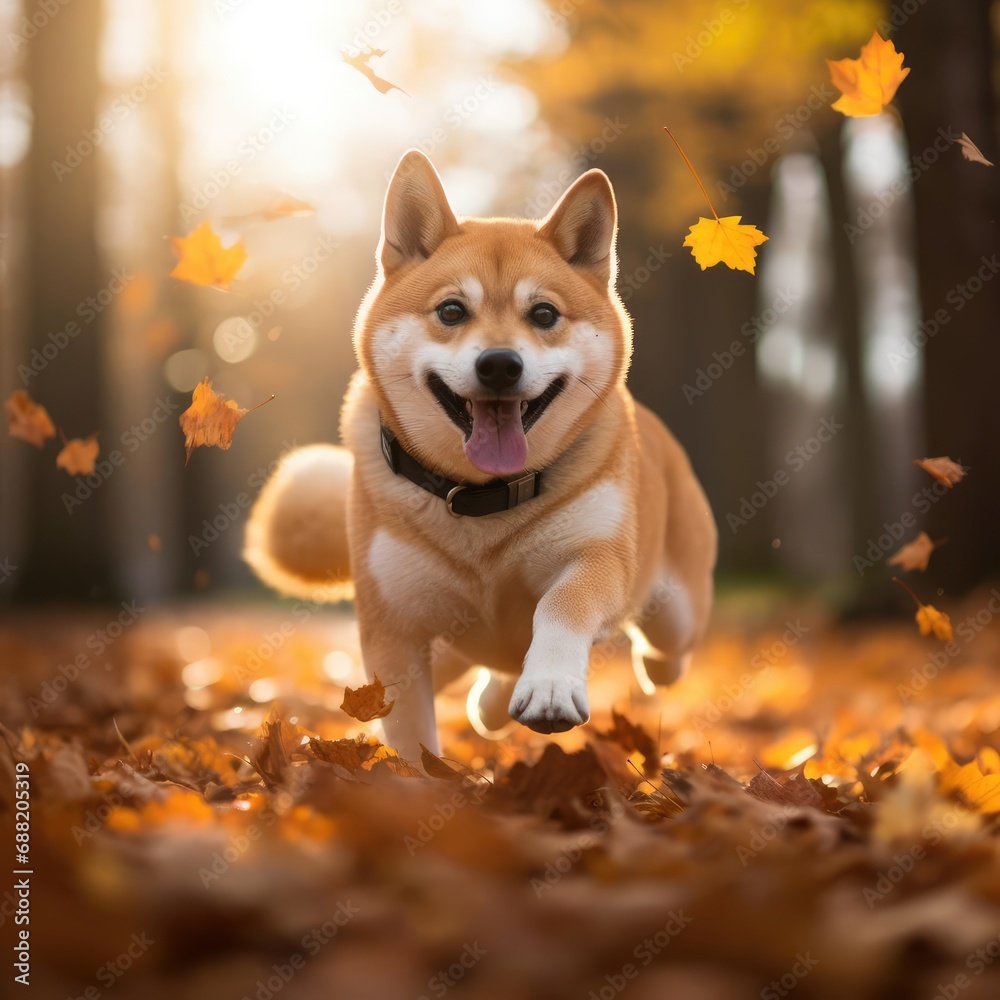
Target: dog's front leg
402 664
580 607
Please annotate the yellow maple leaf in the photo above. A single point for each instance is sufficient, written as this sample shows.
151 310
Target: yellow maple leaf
929 620
869 83
203 260
714 241
78 456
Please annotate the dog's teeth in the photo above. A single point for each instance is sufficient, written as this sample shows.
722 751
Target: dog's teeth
524 406
468 407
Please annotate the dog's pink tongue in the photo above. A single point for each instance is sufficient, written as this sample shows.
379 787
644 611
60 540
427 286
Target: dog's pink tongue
497 444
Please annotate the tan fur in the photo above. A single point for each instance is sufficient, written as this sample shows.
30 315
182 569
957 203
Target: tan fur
621 531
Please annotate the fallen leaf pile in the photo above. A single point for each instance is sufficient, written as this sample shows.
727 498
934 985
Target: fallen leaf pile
828 821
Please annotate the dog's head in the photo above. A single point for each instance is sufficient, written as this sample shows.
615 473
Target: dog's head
492 343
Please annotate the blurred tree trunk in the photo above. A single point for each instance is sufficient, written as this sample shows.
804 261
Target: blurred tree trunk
66 557
950 45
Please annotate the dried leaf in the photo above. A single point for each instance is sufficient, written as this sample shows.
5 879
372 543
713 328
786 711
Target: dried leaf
27 420
915 554
78 456
798 791
211 418
360 63
366 702
633 739
202 259
350 754
971 151
929 619
278 742
943 469
437 767
869 83
724 240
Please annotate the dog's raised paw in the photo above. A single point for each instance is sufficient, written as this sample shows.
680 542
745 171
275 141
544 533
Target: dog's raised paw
550 705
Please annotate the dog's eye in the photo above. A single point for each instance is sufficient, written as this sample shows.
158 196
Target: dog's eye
451 312
544 315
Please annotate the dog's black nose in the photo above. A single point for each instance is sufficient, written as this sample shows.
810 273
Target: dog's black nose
499 368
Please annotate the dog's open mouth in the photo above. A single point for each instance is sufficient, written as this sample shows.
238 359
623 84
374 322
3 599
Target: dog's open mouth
494 429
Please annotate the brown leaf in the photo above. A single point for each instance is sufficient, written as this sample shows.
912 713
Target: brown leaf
78 456
915 554
360 63
211 418
798 791
632 738
943 469
350 754
366 702
437 767
971 151
278 742
27 420
559 785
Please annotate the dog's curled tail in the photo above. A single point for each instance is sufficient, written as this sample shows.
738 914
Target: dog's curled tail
296 537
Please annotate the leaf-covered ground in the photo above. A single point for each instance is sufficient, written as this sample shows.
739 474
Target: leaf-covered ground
812 811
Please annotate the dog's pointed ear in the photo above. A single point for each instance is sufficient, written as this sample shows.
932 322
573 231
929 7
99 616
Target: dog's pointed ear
583 224
416 217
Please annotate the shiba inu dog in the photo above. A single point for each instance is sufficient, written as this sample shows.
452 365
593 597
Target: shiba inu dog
503 501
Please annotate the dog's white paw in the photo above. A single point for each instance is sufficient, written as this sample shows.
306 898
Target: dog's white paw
550 704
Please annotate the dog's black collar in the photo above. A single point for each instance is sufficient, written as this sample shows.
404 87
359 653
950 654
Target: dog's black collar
462 500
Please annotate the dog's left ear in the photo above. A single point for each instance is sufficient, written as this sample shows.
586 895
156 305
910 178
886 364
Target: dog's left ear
417 216
582 225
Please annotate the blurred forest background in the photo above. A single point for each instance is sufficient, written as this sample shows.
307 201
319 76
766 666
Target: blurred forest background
126 121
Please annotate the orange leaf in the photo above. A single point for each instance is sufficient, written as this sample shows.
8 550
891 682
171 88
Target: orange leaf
27 420
211 418
868 84
350 754
929 619
367 702
78 456
714 241
971 151
360 63
943 469
204 261
915 554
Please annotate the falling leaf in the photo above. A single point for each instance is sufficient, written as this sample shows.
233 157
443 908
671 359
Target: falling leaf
211 418
285 205
725 241
971 151
868 84
347 753
720 240
366 702
915 554
27 420
929 619
202 259
360 63
154 542
943 469
78 456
